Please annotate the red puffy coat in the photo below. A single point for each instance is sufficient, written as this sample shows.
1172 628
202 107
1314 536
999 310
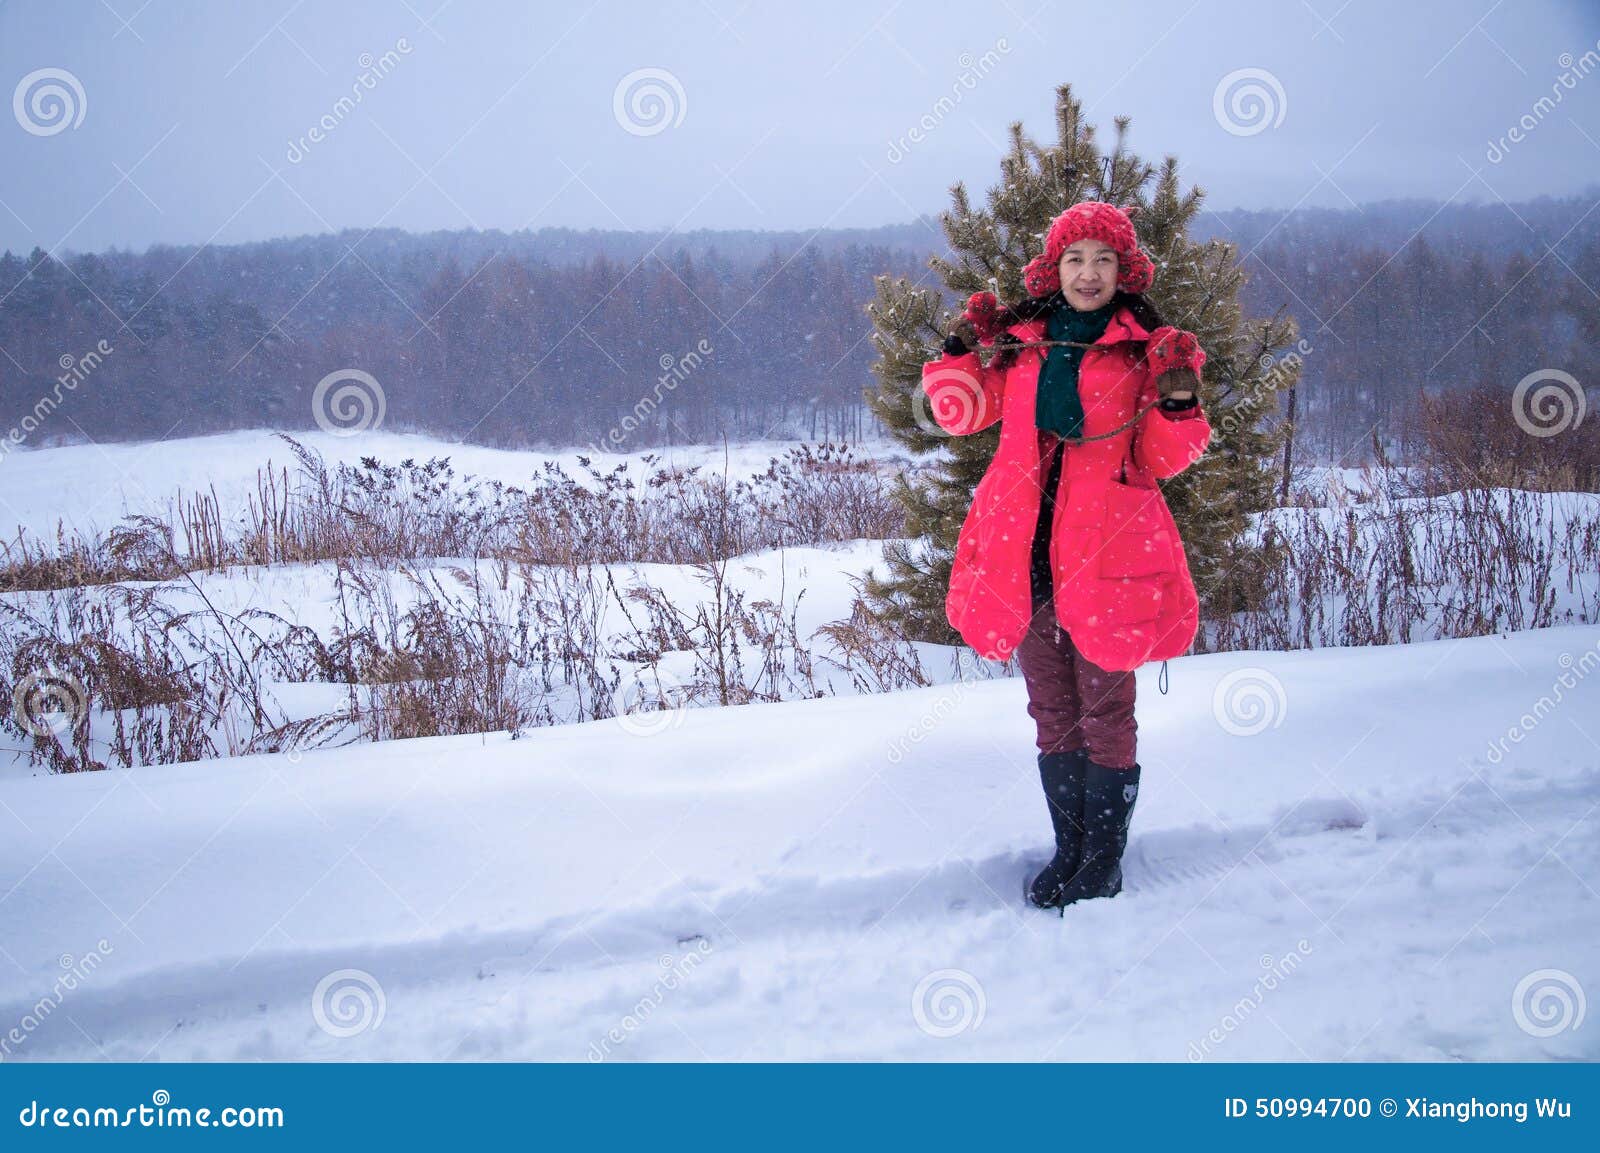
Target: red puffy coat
1121 579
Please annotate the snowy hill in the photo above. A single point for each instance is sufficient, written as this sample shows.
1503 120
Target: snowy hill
1336 854
45 485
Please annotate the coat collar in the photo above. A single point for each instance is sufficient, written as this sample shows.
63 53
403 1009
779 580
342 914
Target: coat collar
1123 327
1131 328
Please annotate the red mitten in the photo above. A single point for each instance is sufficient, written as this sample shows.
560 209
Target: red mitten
983 312
1171 348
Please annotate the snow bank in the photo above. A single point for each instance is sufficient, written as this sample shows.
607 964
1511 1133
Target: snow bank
1336 854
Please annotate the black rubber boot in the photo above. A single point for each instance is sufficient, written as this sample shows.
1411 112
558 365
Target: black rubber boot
1108 797
1062 775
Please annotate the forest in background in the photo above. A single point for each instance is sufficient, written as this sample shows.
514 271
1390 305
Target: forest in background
629 340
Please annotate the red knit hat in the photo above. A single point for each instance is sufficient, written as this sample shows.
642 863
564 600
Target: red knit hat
1100 221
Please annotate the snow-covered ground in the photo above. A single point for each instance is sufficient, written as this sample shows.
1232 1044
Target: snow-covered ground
1385 853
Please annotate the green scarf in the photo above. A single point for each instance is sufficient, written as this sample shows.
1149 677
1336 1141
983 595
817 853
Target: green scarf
1058 408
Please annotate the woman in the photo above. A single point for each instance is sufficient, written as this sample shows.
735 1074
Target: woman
1097 399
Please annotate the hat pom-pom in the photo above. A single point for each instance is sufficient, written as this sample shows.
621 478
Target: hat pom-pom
1042 276
1137 273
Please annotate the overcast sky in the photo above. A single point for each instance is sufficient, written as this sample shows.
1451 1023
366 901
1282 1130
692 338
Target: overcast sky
192 121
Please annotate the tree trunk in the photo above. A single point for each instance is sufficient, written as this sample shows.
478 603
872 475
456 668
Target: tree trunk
1288 447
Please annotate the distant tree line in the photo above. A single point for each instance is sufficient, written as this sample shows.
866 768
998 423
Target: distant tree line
628 340
1403 301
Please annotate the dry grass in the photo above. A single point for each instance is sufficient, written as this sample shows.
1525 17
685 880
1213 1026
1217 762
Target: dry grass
1406 558
1472 440
416 511
528 628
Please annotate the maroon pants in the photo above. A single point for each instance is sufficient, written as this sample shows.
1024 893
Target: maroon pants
1075 704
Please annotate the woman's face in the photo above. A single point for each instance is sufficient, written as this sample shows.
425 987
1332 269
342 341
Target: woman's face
1088 274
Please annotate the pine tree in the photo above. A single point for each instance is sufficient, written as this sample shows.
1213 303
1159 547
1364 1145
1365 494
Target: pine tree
1196 287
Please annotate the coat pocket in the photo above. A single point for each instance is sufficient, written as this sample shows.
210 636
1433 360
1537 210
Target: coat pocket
1136 537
